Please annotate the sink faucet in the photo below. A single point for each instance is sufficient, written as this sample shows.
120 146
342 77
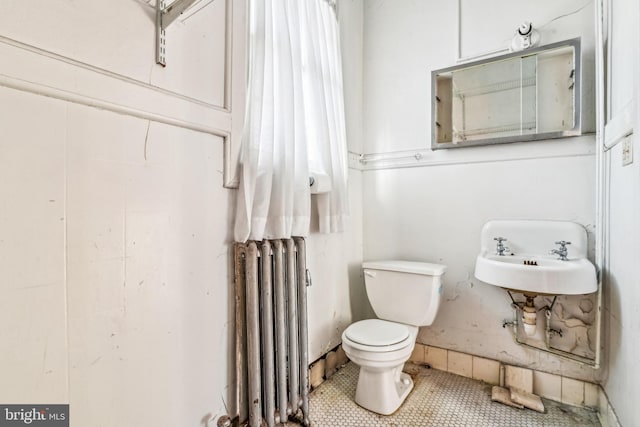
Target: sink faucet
500 247
562 250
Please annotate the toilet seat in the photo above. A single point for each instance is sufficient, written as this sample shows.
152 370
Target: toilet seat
376 335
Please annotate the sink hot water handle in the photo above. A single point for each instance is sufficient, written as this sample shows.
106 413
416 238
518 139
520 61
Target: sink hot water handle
500 247
562 251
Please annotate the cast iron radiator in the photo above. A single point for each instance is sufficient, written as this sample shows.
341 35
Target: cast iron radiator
272 376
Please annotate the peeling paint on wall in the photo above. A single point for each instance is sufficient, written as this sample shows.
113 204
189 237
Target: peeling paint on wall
575 316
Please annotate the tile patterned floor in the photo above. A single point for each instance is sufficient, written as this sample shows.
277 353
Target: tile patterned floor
438 399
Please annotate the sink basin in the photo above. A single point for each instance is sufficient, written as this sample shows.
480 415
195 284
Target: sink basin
526 265
550 276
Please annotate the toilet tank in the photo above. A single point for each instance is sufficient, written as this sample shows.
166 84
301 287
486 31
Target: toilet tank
404 291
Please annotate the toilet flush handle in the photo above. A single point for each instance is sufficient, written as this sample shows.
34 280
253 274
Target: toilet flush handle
370 273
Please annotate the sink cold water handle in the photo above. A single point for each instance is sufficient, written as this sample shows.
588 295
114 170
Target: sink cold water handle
500 247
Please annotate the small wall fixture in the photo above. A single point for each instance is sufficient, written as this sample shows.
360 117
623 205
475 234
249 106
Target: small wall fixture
524 38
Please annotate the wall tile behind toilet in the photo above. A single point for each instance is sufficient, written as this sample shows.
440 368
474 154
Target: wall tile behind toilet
460 363
486 370
572 391
417 356
547 385
520 378
436 357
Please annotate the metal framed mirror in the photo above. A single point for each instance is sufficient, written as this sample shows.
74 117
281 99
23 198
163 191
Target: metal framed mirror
522 96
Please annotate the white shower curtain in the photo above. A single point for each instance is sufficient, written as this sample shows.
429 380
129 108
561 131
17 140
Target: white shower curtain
294 123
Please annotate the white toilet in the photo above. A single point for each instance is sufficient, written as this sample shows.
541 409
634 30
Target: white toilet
404 295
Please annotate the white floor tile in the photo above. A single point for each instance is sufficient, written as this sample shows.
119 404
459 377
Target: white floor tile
438 399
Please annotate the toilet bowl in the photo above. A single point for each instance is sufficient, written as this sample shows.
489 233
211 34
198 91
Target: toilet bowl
404 295
382 386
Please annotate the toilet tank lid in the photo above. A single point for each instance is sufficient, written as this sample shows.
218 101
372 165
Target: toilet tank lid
415 267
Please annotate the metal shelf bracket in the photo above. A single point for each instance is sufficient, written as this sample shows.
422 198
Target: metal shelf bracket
165 15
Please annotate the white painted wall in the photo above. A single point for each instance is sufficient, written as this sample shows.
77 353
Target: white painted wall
114 278
115 231
433 208
116 299
622 281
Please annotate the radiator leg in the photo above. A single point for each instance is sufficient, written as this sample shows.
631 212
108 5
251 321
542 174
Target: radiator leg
303 328
281 337
253 337
267 335
292 308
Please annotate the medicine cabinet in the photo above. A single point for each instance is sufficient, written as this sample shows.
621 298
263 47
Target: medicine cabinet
522 96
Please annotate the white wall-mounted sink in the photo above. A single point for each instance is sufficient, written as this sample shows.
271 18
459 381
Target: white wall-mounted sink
527 266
